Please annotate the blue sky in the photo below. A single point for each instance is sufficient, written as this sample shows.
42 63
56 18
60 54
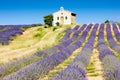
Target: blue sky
32 11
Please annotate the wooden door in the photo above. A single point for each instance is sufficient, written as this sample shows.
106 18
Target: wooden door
62 20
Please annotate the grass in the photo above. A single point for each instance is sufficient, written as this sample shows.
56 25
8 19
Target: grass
33 40
40 39
95 74
90 67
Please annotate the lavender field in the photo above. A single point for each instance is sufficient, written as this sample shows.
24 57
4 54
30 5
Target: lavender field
84 52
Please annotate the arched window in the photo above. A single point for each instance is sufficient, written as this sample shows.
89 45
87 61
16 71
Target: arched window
57 18
66 17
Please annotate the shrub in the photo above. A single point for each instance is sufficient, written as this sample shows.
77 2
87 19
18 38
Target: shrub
57 23
54 28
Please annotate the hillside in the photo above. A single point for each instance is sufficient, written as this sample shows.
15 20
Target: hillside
81 52
32 40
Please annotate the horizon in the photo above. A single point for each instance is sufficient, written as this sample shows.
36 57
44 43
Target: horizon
32 12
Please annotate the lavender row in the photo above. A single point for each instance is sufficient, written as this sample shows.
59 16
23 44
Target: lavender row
4 28
103 49
110 39
68 33
42 67
117 33
77 32
16 65
62 45
76 69
83 36
10 31
5 36
75 28
109 60
12 26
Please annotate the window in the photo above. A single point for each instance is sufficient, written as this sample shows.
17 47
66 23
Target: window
57 18
61 13
66 17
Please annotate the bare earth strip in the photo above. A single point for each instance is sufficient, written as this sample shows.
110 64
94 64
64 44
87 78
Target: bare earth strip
96 72
118 28
108 45
95 69
114 37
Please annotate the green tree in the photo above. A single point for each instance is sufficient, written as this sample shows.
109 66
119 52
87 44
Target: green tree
48 19
107 21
